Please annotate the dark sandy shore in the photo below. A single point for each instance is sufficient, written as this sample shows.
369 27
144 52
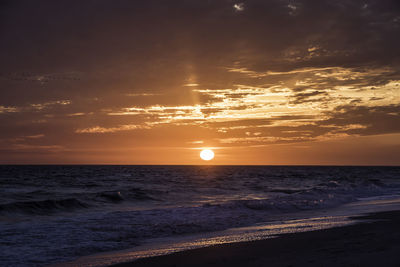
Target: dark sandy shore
365 244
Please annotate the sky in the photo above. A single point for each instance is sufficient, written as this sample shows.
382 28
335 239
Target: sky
289 82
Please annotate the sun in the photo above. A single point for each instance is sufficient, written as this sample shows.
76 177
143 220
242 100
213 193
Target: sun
206 154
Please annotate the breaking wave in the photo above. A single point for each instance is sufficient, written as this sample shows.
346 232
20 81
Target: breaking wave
43 207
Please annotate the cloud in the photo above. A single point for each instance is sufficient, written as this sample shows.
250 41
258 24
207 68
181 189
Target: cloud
373 120
40 78
309 98
98 129
35 136
217 71
26 148
34 107
42 106
4 109
238 7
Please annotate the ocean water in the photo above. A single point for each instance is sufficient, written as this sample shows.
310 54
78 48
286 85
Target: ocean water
55 214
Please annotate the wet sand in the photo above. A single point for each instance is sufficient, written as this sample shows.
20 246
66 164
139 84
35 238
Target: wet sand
368 243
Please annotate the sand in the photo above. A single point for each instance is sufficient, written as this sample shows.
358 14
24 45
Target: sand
368 243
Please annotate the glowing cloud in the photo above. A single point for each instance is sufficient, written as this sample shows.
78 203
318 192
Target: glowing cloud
238 7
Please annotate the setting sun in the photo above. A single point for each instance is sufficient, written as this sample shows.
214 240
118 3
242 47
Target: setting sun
206 154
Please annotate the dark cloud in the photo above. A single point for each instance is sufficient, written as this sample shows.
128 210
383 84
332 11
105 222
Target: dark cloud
377 120
305 97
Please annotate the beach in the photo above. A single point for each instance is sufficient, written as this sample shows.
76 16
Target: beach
373 241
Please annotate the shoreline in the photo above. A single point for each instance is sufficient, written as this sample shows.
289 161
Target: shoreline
350 214
373 241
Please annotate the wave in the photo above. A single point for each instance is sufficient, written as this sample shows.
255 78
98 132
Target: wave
43 207
132 194
112 196
324 195
154 223
79 201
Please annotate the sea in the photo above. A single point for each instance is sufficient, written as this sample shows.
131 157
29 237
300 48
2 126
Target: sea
61 215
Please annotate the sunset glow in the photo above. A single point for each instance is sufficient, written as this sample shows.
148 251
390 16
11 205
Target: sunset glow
265 82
